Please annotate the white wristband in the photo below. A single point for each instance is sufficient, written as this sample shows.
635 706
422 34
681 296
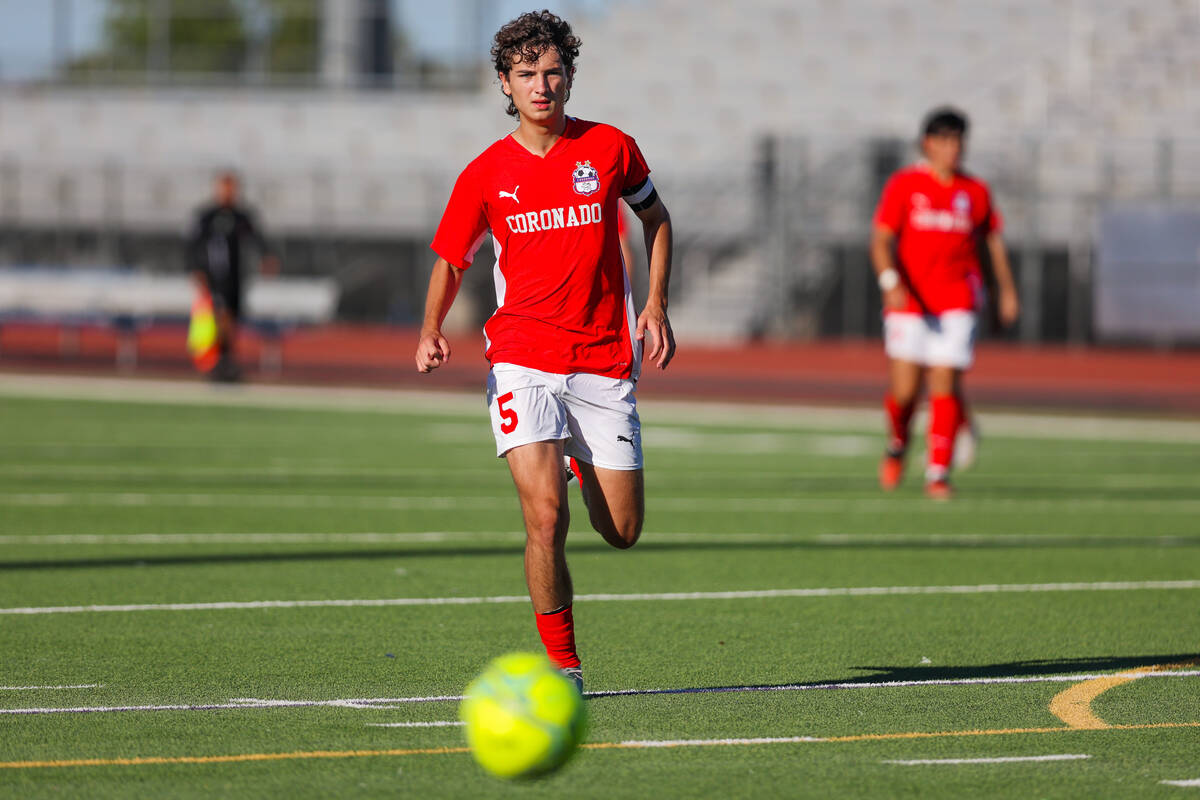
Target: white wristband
888 279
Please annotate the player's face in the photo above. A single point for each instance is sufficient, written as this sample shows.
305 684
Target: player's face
226 190
943 151
538 90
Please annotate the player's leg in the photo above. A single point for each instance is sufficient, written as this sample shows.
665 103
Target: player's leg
529 423
542 489
951 353
616 502
226 310
904 338
945 415
904 388
606 445
966 439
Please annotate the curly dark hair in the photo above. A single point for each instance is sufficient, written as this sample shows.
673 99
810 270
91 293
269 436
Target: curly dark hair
527 37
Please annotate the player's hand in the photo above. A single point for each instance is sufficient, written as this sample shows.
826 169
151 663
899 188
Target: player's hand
653 320
432 351
896 298
1009 306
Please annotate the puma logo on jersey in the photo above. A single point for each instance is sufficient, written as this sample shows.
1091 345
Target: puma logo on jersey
621 438
512 194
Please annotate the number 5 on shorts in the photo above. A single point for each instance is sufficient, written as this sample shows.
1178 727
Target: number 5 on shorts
507 414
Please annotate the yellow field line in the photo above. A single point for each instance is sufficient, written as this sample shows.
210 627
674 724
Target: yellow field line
1074 705
864 737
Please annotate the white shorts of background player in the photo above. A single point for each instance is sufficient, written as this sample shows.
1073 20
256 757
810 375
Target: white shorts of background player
932 340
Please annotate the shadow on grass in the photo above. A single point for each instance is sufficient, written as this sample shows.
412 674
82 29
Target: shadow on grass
585 543
1037 671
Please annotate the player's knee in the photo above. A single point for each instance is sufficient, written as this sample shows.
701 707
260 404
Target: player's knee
625 533
546 524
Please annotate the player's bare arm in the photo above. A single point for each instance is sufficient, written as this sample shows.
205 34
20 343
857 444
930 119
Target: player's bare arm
1008 303
656 227
883 260
432 348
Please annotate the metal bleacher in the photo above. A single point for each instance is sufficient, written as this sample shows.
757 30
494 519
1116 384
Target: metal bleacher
1072 102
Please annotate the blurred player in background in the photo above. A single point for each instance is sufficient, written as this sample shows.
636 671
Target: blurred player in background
565 345
214 258
929 226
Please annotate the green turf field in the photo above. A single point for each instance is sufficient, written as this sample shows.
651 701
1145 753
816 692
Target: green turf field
171 565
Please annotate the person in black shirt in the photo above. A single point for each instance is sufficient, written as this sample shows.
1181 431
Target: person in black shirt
214 258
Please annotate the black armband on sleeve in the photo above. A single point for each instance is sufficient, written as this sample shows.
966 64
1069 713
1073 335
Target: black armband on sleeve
642 196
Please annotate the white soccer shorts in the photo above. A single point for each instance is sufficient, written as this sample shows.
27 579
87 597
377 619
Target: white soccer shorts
941 340
596 415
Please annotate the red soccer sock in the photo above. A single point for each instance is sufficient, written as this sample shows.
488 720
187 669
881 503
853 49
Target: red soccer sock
898 418
945 415
557 630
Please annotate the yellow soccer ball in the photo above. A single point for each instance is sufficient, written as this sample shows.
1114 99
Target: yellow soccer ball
523 717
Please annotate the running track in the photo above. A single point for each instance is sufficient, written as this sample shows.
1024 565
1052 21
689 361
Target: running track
1129 379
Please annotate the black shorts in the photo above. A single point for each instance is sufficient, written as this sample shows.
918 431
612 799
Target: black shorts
227 298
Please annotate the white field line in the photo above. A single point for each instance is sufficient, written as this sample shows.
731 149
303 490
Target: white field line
753 594
241 704
806 417
164 392
396 703
739 505
997 760
117 472
444 723
826 539
49 688
1194 782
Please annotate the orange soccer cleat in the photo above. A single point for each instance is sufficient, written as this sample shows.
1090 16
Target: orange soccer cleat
891 471
939 489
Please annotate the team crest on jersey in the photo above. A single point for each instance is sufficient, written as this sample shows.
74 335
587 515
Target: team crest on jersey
584 178
961 203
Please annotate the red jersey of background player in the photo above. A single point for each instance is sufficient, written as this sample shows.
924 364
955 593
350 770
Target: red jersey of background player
938 229
564 303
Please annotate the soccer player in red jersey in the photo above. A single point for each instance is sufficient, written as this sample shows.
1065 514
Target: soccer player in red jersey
565 344
928 228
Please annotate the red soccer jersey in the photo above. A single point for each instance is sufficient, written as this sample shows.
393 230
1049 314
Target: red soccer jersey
563 300
938 230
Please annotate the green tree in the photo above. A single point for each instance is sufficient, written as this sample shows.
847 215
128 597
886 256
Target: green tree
293 45
175 35
211 37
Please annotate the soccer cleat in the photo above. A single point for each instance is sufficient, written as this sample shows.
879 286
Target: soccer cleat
939 489
572 469
966 444
891 471
576 676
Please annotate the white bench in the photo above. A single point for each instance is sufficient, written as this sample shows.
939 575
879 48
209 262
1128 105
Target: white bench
128 301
